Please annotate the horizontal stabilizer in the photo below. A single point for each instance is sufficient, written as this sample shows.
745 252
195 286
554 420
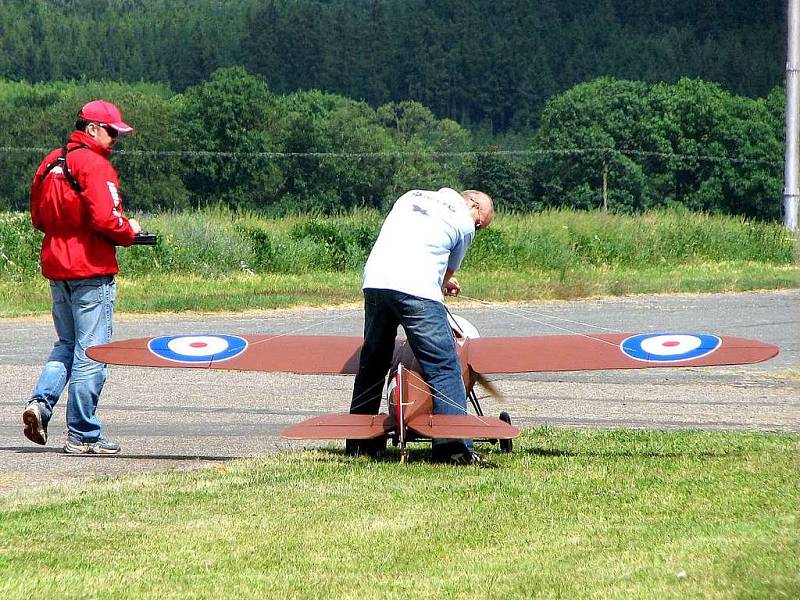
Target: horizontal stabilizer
286 353
341 426
462 427
612 351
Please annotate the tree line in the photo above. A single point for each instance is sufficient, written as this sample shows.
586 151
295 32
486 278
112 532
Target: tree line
232 141
490 64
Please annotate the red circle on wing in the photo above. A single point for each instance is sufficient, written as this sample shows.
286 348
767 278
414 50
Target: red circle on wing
198 345
670 344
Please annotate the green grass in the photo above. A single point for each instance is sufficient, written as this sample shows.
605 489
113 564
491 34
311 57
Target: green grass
592 281
215 260
219 242
168 292
569 514
176 292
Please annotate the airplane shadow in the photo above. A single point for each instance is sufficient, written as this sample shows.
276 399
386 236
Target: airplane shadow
545 452
32 450
179 457
122 456
393 457
548 452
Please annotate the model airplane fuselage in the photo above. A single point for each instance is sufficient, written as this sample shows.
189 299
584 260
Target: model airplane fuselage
410 411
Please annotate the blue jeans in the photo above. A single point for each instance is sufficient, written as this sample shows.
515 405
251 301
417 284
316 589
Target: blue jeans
82 314
431 339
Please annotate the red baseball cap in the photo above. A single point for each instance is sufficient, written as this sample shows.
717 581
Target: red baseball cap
104 113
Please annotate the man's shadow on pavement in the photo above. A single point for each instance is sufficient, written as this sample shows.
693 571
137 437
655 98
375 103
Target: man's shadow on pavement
121 456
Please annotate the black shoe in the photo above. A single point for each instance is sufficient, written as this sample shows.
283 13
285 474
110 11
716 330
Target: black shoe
470 457
454 454
35 427
374 448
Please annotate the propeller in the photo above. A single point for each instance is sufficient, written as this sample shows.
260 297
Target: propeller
488 386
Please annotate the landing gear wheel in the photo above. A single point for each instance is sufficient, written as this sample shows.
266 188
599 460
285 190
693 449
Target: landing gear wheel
506 445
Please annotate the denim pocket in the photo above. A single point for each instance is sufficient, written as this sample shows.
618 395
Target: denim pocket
412 305
86 294
93 291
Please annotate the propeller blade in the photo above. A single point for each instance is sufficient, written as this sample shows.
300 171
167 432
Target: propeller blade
488 386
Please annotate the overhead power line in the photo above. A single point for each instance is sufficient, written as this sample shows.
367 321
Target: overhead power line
607 152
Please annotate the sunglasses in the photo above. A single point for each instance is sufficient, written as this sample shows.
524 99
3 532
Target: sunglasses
112 133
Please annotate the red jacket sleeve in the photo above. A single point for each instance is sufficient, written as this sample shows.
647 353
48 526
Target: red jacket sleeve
103 202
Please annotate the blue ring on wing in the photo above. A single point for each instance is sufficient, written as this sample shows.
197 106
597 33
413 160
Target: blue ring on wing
192 349
669 347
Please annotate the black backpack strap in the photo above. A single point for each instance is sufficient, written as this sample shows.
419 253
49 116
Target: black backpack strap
62 162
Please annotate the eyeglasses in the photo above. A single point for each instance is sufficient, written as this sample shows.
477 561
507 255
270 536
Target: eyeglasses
112 133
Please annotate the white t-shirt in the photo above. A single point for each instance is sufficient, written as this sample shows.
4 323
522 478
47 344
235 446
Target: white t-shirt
424 234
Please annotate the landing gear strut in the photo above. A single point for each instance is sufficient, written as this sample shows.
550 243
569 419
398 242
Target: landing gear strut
505 445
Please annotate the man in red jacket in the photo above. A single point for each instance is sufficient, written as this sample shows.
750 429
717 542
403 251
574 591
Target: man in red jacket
76 203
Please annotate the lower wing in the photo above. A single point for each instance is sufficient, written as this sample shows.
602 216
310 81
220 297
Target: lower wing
462 427
341 426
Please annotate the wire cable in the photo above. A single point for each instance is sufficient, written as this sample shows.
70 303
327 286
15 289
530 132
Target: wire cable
606 151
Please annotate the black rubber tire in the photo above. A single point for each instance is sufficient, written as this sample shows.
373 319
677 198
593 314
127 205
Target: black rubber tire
506 445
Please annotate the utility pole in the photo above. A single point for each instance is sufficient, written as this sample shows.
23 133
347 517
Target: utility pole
791 191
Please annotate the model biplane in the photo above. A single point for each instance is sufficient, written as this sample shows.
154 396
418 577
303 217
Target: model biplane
410 408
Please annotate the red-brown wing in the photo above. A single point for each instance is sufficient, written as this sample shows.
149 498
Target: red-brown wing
611 351
341 426
462 427
292 354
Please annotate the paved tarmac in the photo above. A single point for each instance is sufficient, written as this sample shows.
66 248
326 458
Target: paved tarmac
185 418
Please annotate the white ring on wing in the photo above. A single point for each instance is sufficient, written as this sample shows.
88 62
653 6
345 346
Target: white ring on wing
198 345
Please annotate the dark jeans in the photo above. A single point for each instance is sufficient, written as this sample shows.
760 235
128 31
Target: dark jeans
430 337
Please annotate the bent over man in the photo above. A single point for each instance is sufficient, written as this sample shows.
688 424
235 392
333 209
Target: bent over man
420 246
76 203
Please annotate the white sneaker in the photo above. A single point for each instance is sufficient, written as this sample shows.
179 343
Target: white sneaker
101 446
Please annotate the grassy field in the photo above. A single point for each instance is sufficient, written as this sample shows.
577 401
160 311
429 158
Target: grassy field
569 514
216 260
176 292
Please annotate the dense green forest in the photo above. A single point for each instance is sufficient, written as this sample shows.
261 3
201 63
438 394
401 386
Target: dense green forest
232 141
490 64
327 105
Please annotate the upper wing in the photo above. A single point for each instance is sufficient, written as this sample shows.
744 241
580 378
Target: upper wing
612 351
339 354
293 354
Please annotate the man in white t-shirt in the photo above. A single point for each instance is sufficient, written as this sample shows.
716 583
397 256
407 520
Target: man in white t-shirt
421 245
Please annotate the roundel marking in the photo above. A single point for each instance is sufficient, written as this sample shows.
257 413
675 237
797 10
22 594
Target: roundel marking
197 348
669 347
